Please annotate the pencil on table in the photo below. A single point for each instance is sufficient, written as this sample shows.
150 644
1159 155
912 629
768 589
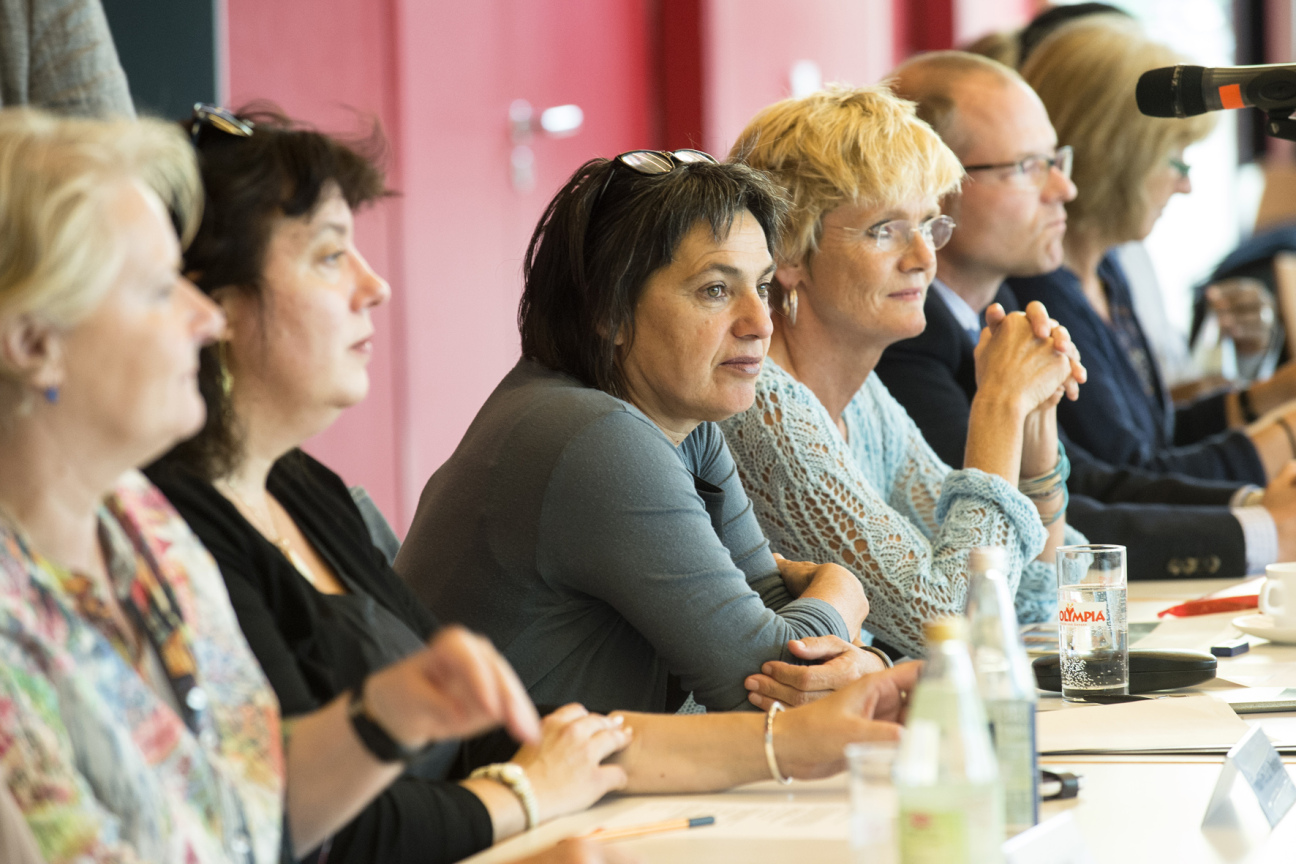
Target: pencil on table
603 835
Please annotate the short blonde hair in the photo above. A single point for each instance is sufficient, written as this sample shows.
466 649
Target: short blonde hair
1085 74
844 145
60 252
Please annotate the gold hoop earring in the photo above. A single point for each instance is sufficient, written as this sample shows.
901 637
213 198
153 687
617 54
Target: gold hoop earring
226 376
788 305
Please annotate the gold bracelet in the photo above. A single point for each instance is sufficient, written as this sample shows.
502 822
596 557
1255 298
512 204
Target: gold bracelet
775 708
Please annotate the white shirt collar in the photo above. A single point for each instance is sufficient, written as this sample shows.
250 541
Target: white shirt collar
967 317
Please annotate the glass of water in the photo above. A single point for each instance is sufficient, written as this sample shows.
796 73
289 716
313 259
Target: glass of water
875 806
1092 630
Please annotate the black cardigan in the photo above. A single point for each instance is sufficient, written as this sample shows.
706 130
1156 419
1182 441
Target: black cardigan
308 659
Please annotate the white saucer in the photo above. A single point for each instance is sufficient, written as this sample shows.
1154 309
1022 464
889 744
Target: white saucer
1263 626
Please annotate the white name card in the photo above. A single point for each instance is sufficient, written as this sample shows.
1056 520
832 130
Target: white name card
1260 765
1053 841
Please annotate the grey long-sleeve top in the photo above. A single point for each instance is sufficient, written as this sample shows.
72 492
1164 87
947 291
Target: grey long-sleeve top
598 557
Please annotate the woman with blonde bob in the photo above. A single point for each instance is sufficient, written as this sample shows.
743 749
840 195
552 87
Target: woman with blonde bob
135 723
1127 167
835 467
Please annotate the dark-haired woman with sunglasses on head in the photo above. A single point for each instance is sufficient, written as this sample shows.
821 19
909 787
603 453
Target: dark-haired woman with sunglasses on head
318 603
591 521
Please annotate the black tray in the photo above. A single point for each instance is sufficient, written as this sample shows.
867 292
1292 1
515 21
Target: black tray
1149 670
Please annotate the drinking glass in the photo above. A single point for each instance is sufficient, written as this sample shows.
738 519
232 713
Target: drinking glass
1092 631
874 805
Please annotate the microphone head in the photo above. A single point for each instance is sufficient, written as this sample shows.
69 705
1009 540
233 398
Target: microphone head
1172 91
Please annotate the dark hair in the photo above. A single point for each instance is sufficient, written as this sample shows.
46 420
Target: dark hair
283 169
604 234
1043 24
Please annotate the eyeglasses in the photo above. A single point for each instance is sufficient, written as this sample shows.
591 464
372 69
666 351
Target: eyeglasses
216 117
1181 166
661 161
898 234
1033 170
651 162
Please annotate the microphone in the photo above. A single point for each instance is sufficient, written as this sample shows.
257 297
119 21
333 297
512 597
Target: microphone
1186 91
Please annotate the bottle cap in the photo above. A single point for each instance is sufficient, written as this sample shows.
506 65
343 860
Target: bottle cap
945 629
985 558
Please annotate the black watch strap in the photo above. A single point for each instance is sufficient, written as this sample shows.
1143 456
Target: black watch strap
1244 402
380 744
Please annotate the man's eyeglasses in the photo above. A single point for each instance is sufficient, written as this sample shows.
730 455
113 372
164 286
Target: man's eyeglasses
898 234
1181 166
1033 170
216 117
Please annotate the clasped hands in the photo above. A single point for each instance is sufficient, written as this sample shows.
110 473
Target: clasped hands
1030 355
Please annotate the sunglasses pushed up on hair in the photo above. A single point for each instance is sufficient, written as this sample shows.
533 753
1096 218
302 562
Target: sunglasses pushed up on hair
208 116
653 162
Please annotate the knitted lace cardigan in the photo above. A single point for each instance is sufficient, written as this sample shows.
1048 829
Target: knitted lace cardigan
883 505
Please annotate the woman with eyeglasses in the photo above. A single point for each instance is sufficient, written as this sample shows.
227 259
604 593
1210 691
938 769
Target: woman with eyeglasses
1127 168
833 464
321 608
591 521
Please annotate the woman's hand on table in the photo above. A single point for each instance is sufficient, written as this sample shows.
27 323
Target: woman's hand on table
809 740
841 664
565 768
455 687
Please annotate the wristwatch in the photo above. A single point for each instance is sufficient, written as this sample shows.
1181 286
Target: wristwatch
511 775
377 740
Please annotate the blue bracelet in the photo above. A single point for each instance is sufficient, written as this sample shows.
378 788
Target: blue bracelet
1046 486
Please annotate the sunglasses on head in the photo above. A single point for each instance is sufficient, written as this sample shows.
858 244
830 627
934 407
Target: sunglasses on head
653 162
207 116
661 161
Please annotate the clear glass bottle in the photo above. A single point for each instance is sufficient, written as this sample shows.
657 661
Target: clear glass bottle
947 777
1007 684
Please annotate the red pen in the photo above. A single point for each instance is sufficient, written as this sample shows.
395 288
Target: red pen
1212 604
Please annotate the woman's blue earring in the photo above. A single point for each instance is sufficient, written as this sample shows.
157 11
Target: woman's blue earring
51 395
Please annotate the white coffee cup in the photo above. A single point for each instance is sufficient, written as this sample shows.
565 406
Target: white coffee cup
1278 594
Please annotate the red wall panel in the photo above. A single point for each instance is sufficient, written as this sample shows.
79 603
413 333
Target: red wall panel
466 226
329 62
750 47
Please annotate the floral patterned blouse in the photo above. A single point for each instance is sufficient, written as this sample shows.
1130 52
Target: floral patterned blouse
104 766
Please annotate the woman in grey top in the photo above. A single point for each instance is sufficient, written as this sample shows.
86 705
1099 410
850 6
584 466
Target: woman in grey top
591 522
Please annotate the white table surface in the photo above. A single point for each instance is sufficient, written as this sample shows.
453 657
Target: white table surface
1130 808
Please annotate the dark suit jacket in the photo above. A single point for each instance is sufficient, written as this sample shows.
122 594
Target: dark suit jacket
1172 526
1116 419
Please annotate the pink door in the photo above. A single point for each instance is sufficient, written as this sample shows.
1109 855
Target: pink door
442 78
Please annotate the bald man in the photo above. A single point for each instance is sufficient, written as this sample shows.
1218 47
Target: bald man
1011 219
